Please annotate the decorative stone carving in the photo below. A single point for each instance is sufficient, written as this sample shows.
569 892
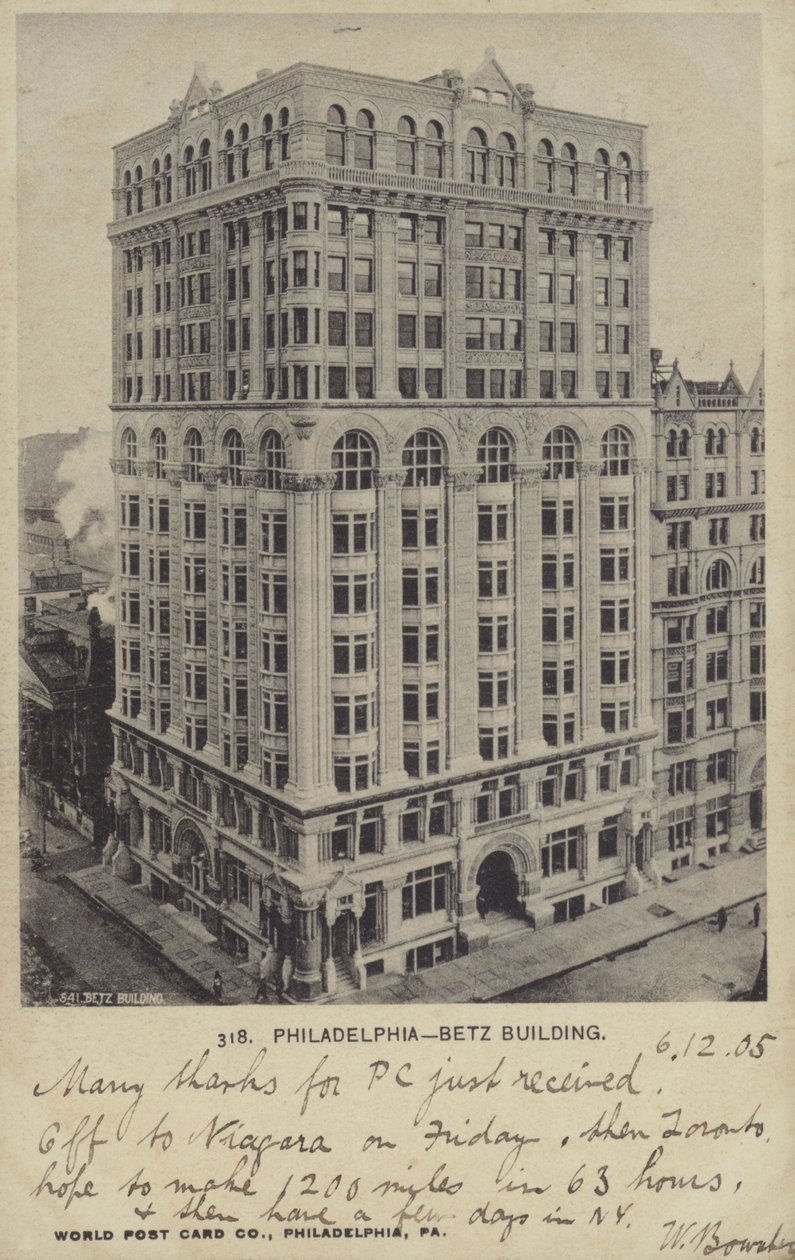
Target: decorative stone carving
212 476
526 94
389 477
513 358
507 257
528 474
462 478
589 467
255 477
304 426
305 483
175 474
642 466
118 465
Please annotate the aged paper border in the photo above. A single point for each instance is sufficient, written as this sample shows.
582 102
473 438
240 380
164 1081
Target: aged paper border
25 1033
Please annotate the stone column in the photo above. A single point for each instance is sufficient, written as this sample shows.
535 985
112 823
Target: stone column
461 630
174 475
306 983
641 507
146 366
589 611
210 478
586 373
527 649
457 84
385 304
256 229
251 480
390 758
218 294
309 611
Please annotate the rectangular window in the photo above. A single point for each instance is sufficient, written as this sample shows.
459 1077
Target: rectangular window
336 274
407 332
432 279
363 275
363 328
407 278
337 328
474 282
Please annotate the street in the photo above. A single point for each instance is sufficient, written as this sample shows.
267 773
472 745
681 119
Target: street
67 944
693 964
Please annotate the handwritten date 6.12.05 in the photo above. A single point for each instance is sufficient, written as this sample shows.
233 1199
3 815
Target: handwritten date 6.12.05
706 1046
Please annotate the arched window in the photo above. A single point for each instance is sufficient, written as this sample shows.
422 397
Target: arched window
129 452
672 444
353 459
229 156
272 459
139 189
206 165
757 574
709 442
757 441
720 442
284 139
423 459
545 156
495 454
159 452
624 178
601 175
616 449
243 133
267 131
718 576
364 141
505 160
167 178
558 453
128 204
156 180
335 136
476 156
406 147
234 456
433 151
190 172
568 170
194 450
684 442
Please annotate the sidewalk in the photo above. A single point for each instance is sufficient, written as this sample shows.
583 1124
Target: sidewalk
179 942
528 956
512 963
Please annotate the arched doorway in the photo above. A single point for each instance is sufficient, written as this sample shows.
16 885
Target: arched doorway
498 885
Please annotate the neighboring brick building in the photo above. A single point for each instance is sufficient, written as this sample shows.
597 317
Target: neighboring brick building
383 460
708 589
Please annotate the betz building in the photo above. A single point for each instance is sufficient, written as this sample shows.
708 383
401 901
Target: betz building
383 464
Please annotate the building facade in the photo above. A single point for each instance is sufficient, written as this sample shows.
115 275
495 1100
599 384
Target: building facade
383 466
708 631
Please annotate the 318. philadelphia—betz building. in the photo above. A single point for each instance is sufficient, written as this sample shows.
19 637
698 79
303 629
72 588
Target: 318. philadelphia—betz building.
383 465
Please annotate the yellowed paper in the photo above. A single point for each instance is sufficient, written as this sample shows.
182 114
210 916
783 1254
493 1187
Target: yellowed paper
597 1128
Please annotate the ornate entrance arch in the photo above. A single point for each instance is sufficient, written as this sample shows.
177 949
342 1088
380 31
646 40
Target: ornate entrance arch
189 843
517 848
498 883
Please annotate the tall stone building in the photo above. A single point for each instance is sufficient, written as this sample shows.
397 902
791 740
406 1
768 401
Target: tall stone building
708 588
382 453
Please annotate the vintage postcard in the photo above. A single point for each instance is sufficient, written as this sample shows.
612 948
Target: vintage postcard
401 399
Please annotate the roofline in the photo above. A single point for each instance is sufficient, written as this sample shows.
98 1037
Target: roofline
363 74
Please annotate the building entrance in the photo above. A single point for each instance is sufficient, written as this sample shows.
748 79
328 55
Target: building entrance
342 935
757 809
639 851
498 885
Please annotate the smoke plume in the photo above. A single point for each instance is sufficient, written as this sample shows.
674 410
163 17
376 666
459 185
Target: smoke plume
88 502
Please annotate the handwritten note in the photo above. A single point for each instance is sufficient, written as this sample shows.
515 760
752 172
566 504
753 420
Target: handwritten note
470 1139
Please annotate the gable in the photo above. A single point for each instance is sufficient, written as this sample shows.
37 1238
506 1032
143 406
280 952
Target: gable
675 395
492 80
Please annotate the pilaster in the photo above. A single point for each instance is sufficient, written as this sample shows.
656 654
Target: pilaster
461 640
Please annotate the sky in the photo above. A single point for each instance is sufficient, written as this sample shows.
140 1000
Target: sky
87 82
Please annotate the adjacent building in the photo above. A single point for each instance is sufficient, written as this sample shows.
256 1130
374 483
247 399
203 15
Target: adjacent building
383 467
708 629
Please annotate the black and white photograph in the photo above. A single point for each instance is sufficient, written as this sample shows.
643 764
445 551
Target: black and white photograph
391 514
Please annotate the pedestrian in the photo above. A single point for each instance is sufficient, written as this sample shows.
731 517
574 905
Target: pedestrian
480 905
723 918
262 991
757 913
218 986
